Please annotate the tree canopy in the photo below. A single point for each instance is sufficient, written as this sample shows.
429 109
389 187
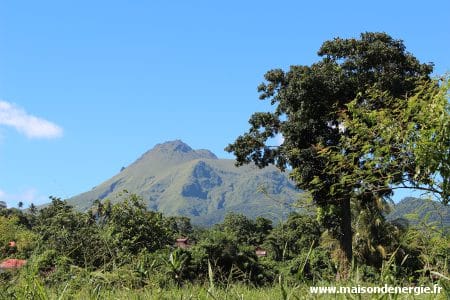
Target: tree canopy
309 104
403 146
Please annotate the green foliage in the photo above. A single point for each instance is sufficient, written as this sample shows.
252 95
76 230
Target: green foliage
11 229
179 226
290 239
231 260
71 234
403 144
244 230
221 263
309 104
23 219
133 228
51 266
178 266
313 266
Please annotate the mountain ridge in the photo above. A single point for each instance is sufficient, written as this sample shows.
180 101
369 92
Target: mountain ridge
416 210
175 179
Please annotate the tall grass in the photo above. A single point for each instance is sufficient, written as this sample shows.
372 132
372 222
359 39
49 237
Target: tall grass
236 291
31 287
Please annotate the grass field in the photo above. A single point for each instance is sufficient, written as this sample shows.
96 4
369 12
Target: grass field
34 290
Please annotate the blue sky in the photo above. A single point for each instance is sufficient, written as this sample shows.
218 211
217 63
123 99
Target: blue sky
91 85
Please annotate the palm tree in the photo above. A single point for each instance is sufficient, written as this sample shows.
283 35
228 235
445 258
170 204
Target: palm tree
33 208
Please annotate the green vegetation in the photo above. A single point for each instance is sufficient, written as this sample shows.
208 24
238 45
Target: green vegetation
123 250
361 121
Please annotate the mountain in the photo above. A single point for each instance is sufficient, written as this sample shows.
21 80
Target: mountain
416 210
175 179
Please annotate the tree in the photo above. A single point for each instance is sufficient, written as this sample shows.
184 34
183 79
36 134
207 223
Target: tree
179 226
309 102
406 145
298 234
244 230
11 229
33 209
229 258
238 226
134 229
70 233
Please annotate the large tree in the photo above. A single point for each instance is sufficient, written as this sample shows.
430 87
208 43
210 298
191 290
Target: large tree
309 102
403 145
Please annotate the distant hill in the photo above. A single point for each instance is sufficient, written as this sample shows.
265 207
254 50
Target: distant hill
416 210
175 179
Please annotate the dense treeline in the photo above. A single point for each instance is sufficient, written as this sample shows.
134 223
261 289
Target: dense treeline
124 245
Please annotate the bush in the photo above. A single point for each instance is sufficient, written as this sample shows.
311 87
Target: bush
313 266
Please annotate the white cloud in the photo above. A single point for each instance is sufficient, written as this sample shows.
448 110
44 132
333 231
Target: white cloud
31 126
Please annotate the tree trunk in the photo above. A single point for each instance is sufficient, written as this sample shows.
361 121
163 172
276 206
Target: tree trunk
346 239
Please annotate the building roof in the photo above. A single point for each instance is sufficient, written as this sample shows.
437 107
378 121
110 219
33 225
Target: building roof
260 251
12 263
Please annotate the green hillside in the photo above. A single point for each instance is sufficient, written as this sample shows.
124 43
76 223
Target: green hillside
175 179
417 210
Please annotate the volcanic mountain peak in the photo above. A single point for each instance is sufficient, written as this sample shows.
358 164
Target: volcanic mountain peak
177 151
173 146
175 179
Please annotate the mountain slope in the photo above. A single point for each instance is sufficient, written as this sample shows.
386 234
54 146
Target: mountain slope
417 210
175 179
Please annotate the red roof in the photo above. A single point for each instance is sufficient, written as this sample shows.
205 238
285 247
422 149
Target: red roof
12 263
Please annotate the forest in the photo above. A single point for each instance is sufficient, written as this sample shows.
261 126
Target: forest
124 250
